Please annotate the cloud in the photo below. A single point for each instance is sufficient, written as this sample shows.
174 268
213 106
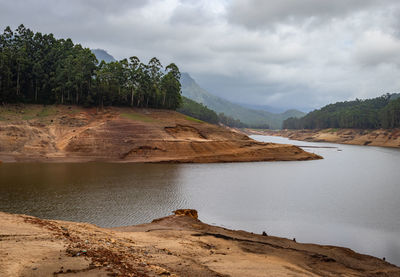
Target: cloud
293 54
259 14
376 48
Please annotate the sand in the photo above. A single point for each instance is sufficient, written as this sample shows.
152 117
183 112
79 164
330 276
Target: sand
177 245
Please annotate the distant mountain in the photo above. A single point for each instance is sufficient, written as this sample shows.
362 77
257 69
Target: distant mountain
267 108
193 91
102 55
394 96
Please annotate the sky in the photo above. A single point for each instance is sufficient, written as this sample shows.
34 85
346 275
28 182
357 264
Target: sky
299 54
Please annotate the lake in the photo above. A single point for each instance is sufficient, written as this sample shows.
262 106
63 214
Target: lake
350 198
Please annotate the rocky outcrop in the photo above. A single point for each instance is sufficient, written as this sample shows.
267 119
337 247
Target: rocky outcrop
73 134
187 212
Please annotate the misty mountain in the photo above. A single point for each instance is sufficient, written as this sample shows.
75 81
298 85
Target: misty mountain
192 90
102 55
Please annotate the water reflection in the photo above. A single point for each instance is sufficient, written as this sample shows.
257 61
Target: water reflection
100 193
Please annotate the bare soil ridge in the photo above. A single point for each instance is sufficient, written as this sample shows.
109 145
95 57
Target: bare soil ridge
74 134
177 245
381 137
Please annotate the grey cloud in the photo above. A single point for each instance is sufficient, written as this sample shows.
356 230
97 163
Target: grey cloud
256 14
290 66
376 48
191 13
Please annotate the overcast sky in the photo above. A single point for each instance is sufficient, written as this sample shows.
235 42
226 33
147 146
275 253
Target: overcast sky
286 53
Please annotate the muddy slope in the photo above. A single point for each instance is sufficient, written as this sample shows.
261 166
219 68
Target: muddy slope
386 138
61 133
177 245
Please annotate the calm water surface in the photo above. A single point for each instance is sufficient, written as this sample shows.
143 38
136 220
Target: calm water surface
351 198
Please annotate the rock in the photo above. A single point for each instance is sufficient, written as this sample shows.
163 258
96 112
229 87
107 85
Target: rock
187 212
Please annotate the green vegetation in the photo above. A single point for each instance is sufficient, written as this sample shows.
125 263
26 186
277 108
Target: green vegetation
22 112
197 110
40 69
380 112
231 122
194 119
138 117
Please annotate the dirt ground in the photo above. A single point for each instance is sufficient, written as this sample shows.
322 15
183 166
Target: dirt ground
386 138
75 134
177 245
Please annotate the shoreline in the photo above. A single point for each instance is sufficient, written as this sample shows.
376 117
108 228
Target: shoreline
176 245
380 137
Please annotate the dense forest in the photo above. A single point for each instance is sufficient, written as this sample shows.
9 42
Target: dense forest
199 111
380 112
38 68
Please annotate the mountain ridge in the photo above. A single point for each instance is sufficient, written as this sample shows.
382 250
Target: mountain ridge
192 90
103 55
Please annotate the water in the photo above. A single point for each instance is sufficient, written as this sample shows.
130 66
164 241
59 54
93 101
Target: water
351 198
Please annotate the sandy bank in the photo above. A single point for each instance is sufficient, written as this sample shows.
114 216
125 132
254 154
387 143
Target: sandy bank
74 134
386 138
177 245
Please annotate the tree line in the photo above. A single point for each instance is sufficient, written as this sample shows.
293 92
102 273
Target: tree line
38 68
380 112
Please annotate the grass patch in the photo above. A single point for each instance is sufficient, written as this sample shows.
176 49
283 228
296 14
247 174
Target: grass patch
194 119
47 111
138 117
330 130
26 112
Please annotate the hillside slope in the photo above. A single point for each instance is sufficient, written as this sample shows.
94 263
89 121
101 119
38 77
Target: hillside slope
74 134
193 91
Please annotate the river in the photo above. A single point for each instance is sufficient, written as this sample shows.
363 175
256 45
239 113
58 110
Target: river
350 198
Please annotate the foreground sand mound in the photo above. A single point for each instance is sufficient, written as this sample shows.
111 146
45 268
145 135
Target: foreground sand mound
61 133
177 245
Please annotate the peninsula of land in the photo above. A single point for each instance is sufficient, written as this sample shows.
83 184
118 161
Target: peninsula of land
37 133
380 137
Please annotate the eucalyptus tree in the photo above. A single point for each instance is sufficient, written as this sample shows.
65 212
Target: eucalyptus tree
38 68
171 87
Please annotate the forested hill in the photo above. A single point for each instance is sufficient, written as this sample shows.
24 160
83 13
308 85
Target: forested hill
250 117
380 112
38 68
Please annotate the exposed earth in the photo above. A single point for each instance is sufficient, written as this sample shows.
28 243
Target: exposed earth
387 138
177 245
75 134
